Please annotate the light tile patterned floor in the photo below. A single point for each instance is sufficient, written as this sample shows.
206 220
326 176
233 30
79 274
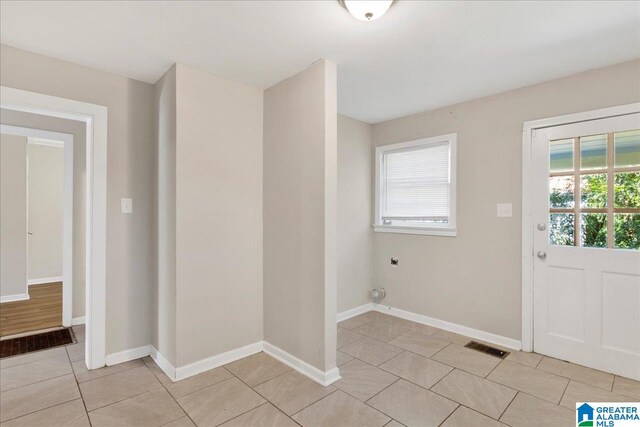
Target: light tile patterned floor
394 373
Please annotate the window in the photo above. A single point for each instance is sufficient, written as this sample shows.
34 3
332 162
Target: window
416 187
594 191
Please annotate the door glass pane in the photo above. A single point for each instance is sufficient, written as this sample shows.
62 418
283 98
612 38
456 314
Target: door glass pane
561 155
627 148
627 231
561 191
593 152
593 191
627 190
561 227
593 230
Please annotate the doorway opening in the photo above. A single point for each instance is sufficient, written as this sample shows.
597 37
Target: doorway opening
48 206
94 118
581 250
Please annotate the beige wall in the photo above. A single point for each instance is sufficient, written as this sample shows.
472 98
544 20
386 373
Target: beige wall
131 261
77 129
164 297
45 189
299 215
355 234
13 219
218 216
474 279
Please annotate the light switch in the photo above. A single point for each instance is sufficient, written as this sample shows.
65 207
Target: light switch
126 206
505 210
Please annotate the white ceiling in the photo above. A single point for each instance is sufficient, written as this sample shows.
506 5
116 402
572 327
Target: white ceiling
419 56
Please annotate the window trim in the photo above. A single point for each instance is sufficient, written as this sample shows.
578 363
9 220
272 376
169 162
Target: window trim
450 229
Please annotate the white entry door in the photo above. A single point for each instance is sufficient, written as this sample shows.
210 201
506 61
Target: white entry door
587 243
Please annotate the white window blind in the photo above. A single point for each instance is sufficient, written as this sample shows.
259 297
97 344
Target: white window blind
415 184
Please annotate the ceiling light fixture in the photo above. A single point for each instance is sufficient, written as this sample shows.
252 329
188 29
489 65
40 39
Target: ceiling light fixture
366 10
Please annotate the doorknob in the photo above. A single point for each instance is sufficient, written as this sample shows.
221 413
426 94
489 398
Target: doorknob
542 226
542 255
29 233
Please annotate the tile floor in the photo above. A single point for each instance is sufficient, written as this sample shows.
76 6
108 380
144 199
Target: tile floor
394 373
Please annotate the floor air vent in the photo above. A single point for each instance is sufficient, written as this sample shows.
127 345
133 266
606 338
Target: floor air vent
486 349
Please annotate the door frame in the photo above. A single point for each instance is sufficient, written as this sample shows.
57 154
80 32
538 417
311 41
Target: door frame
528 131
65 141
95 118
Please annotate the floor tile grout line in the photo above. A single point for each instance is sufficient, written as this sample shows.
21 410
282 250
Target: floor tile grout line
266 381
572 379
441 379
168 392
434 354
42 409
400 378
515 389
239 415
494 368
37 382
127 398
112 373
33 352
274 404
575 364
84 404
486 378
507 407
452 412
566 387
560 376
462 404
57 404
366 402
255 391
200 389
312 403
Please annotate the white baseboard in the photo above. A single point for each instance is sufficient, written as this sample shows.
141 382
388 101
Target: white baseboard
16 297
78 320
209 363
182 372
163 363
451 327
127 355
44 280
323 378
348 314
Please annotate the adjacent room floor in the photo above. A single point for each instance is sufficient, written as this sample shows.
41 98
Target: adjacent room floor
42 310
394 372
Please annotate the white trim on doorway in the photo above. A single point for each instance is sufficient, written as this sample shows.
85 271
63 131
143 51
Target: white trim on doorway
44 280
12 298
65 141
528 130
95 118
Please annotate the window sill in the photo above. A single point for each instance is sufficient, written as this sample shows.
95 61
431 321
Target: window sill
430 231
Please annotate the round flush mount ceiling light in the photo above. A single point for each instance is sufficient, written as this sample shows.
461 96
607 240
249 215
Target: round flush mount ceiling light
366 10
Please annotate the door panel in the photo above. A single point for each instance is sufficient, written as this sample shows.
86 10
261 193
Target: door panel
587 242
566 284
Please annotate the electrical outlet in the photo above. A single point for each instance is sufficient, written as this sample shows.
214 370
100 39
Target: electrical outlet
394 262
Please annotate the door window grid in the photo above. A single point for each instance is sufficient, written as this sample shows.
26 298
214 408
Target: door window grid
573 174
